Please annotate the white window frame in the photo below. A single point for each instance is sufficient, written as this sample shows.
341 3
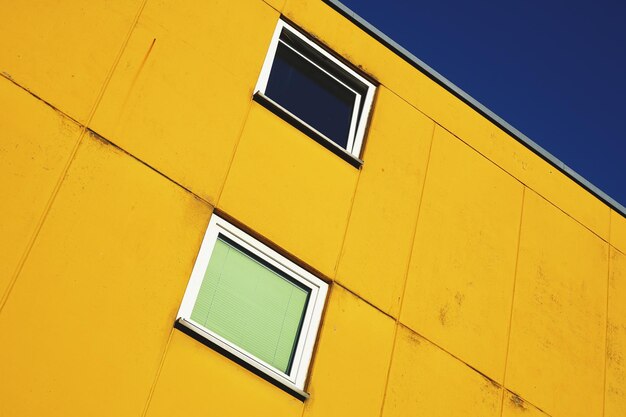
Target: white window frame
359 116
296 377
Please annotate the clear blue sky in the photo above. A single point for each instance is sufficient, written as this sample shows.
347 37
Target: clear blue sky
555 70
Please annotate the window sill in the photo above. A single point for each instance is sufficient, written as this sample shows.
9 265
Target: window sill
305 128
198 334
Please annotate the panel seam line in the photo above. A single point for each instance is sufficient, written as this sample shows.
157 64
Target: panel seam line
504 169
158 374
508 338
606 331
42 218
407 269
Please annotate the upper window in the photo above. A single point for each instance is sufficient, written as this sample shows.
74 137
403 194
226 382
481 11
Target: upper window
310 85
255 304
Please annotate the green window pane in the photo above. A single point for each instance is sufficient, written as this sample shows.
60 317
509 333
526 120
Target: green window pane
250 305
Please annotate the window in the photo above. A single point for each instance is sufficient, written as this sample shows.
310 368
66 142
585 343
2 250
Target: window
254 305
314 90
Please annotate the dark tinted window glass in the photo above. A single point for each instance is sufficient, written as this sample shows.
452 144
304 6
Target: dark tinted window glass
311 94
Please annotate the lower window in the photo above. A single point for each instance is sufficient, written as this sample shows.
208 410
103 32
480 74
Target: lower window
255 304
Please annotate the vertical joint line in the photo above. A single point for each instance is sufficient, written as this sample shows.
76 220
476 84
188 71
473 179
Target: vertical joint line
419 211
508 336
41 220
348 220
406 271
66 167
606 329
116 61
158 373
233 154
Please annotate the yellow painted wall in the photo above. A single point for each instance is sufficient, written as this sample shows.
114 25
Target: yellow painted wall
468 276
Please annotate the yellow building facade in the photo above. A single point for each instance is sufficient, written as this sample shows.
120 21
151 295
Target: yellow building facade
467 275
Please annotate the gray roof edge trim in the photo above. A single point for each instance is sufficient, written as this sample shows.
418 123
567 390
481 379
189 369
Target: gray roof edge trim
469 100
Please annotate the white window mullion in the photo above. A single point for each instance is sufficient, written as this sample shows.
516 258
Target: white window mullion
318 67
